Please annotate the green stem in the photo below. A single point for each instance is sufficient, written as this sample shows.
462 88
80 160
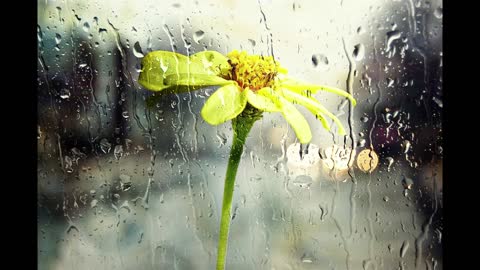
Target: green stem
241 127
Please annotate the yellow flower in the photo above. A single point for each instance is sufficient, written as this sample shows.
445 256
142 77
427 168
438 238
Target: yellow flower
257 80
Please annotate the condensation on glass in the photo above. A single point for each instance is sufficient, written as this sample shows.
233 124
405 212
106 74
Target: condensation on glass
128 180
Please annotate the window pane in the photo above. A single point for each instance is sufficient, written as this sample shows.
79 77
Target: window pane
132 179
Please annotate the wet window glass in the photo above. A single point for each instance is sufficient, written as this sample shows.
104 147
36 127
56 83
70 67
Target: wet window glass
340 168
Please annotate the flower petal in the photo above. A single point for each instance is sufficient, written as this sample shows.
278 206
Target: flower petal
225 104
301 88
158 65
190 79
293 117
297 121
262 100
313 106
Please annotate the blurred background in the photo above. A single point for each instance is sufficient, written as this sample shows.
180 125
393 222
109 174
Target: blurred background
126 185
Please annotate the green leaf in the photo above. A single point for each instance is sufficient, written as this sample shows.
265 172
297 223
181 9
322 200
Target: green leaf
225 104
313 106
303 88
262 100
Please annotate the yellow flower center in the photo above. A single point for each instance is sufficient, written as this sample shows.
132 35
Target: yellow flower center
252 71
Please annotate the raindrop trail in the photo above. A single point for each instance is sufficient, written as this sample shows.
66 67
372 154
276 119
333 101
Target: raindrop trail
412 23
332 211
60 154
351 173
74 61
127 74
94 98
267 28
370 225
412 33
425 229
190 97
194 213
97 107
379 97
350 106
89 133
177 128
151 173
215 210
369 192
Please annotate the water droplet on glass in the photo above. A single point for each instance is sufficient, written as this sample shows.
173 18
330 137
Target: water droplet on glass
72 227
322 212
77 153
141 238
125 182
406 146
407 182
386 198
438 12
137 50
125 114
39 34
93 203
303 150
118 151
68 164
392 36
307 260
364 119
390 162
197 36
438 101
361 143
390 82
319 60
404 248
105 146
58 38
59 11
138 67
303 181
358 52
360 30
252 42
64 93
86 27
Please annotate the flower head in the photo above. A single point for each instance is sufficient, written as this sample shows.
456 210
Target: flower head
244 79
